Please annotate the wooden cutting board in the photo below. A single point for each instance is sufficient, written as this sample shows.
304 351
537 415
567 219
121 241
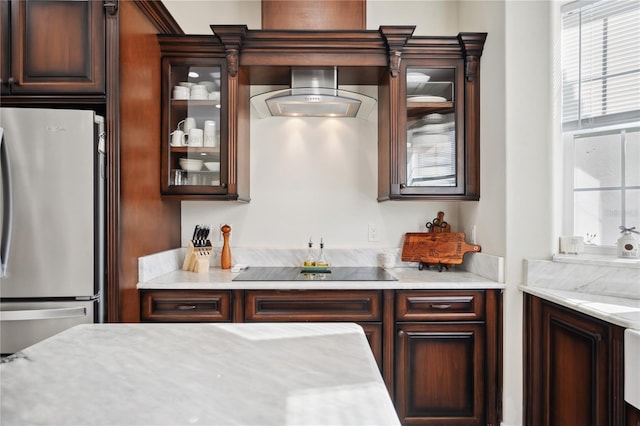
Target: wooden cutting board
436 247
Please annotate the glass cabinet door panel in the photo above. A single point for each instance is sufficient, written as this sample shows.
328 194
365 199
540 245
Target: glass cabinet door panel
194 125
432 144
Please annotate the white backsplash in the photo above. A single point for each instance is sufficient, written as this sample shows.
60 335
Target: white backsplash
595 277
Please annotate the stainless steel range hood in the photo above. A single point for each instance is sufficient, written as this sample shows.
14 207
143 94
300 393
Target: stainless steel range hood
314 93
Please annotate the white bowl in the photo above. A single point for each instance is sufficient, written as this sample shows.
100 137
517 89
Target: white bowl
190 165
213 166
416 82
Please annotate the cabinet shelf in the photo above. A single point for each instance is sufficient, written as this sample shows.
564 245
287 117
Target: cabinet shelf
191 103
195 150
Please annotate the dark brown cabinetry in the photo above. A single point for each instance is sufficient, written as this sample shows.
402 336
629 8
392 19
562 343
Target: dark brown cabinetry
186 306
362 307
428 101
445 364
52 47
439 351
429 139
573 367
215 163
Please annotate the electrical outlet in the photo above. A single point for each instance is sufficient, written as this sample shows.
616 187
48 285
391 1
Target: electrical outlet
373 232
473 234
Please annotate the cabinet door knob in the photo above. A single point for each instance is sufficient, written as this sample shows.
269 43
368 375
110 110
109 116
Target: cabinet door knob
401 333
186 307
441 306
10 81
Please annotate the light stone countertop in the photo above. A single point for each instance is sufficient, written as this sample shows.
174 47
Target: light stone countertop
163 271
609 291
408 278
197 374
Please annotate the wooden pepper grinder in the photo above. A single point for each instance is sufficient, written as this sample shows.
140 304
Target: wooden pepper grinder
225 257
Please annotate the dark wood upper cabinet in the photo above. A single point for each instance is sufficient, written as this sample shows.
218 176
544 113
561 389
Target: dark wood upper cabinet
53 47
221 170
429 119
415 160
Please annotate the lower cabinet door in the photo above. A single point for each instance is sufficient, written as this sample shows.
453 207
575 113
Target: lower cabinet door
439 373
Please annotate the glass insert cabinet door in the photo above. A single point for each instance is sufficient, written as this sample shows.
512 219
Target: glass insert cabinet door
434 154
193 124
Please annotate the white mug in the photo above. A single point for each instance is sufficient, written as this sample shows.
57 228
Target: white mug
195 137
186 84
181 92
210 133
199 92
187 124
387 260
178 138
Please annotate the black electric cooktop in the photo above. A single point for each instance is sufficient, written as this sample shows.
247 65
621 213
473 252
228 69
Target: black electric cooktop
299 273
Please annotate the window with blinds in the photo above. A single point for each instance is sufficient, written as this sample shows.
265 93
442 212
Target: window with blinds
600 61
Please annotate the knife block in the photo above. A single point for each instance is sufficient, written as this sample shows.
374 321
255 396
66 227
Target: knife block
197 258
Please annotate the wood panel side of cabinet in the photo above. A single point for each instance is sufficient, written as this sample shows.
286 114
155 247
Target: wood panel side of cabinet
5 46
147 223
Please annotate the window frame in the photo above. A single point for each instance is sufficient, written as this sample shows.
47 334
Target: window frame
571 131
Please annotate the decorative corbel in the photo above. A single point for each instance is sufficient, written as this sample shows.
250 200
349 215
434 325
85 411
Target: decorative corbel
471 67
111 7
396 37
472 45
394 63
231 36
232 61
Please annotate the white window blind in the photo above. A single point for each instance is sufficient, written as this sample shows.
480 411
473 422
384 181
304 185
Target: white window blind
600 63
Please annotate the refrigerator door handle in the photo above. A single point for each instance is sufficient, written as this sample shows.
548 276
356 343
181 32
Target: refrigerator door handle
7 205
40 314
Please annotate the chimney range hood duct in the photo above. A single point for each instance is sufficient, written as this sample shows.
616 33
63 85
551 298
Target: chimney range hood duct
314 93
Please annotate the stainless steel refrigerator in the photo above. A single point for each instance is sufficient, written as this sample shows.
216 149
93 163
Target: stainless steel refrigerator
52 184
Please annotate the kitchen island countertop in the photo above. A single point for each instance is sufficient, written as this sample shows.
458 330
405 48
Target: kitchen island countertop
190 374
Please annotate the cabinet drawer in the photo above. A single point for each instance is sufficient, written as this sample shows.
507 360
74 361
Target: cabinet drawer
185 306
313 306
440 306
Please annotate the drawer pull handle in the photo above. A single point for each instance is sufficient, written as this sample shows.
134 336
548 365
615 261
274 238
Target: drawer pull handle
441 306
186 307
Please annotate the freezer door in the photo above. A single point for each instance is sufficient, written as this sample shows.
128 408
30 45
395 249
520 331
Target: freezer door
51 155
24 324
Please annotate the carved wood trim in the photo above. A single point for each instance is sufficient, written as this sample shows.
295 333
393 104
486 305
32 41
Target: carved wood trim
231 36
112 128
159 16
472 45
396 37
